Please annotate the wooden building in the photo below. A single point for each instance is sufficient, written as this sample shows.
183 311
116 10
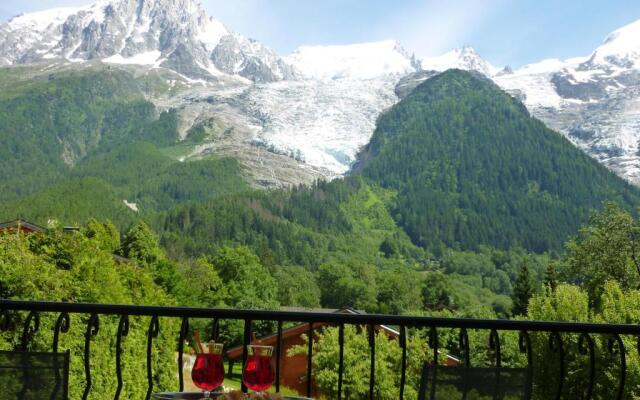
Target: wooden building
20 226
293 369
25 227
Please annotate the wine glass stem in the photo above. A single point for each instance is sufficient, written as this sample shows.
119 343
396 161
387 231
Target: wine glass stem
207 394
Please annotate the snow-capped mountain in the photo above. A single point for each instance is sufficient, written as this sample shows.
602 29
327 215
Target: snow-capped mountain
621 49
465 58
322 123
324 118
357 61
462 58
314 109
175 34
594 100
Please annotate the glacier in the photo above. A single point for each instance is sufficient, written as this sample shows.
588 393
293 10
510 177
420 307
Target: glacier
306 115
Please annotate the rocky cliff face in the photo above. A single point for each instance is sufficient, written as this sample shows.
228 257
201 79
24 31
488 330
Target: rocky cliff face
237 55
176 34
318 106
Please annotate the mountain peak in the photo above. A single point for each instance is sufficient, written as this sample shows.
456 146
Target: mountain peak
175 34
437 148
465 57
360 61
621 48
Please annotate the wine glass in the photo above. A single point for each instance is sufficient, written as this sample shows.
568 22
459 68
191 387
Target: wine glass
208 370
258 372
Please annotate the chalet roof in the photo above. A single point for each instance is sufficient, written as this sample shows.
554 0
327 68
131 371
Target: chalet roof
19 223
270 340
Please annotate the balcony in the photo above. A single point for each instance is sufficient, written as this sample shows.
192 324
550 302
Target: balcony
598 350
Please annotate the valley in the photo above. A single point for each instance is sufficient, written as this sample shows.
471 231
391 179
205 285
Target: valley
159 158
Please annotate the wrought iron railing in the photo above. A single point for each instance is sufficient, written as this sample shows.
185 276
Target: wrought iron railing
554 330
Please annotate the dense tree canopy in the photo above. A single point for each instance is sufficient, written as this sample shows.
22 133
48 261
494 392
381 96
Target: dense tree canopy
74 267
457 191
607 248
472 167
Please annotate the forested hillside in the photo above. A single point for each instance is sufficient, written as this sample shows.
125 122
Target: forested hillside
472 167
170 161
458 183
461 205
48 125
78 144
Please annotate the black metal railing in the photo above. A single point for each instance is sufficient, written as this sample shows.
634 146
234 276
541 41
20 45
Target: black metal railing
554 330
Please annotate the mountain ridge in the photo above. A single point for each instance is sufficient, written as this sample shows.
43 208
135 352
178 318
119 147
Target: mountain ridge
314 109
594 101
471 167
176 34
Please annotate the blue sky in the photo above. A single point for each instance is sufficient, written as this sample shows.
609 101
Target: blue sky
513 32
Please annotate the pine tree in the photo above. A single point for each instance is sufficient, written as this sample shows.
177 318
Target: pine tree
522 291
551 277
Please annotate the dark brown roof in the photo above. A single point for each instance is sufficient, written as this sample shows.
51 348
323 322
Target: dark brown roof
22 224
18 223
270 340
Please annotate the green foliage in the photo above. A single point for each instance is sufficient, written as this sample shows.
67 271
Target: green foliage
297 287
522 291
104 233
471 167
71 202
347 286
248 285
570 303
203 286
389 247
356 362
74 267
437 292
551 277
248 282
351 271
163 131
398 291
125 165
606 248
341 220
191 181
141 244
138 173
467 294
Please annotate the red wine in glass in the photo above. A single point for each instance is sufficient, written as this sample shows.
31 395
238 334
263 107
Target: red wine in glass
208 370
258 372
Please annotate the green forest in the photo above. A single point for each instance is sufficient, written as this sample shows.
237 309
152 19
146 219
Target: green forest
461 205
595 279
471 167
